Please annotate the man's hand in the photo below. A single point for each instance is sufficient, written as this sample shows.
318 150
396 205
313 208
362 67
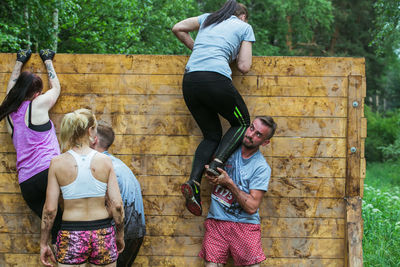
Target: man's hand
223 179
45 255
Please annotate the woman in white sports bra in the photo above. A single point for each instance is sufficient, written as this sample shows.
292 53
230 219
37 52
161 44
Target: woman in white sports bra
87 181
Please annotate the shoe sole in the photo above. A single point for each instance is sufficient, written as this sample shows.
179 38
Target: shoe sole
212 172
191 204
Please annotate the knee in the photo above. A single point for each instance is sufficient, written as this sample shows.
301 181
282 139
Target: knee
214 137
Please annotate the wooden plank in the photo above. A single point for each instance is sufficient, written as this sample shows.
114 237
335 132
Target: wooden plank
186 145
162 105
307 66
185 125
354 232
166 64
13 203
312 167
270 227
32 260
354 137
363 128
19 243
17 224
175 206
193 226
134 84
281 167
170 185
294 86
272 207
273 247
20 260
174 105
278 187
8 162
160 261
9 183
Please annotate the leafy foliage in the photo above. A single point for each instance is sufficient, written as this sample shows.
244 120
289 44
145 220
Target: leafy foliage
382 132
381 213
286 28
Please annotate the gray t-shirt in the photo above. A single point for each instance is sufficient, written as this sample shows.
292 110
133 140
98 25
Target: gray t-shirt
251 173
218 45
134 223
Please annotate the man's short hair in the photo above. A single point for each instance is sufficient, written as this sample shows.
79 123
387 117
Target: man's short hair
269 121
105 134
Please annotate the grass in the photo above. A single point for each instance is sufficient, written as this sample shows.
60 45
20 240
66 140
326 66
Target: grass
381 214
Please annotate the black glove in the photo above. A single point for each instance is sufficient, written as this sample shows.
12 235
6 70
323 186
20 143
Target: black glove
24 55
47 54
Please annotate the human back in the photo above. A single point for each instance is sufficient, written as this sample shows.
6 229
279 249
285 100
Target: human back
217 45
79 207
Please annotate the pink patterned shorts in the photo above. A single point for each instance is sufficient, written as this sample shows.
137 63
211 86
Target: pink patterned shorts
241 240
92 241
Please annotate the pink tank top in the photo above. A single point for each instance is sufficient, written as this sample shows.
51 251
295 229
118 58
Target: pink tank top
34 149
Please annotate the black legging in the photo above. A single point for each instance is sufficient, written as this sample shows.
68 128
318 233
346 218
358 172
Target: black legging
208 94
34 193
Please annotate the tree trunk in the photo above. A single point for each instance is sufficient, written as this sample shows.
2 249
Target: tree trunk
333 41
289 33
55 27
28 32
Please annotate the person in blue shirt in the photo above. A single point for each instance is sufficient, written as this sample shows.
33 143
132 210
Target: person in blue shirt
233 222
223 37
134 222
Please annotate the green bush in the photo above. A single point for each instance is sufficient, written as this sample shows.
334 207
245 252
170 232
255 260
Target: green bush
381 214
382 132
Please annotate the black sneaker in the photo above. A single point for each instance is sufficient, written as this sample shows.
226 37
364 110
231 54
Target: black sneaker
46 54
212 168
191 192
23 55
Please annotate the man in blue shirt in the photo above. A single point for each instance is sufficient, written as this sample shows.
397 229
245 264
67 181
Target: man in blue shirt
129 187
233 222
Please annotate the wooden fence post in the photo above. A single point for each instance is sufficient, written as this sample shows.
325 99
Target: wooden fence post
354 223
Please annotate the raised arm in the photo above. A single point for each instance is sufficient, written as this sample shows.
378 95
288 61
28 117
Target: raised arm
48 215
244 59
48 99
22 57
182 29
115 205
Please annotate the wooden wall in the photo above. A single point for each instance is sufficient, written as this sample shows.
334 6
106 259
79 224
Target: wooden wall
311 215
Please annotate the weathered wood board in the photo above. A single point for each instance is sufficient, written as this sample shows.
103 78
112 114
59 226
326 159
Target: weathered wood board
311 215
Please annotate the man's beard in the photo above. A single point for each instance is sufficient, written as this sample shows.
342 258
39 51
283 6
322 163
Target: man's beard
249 144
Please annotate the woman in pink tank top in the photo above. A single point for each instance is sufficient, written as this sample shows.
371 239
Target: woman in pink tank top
26 111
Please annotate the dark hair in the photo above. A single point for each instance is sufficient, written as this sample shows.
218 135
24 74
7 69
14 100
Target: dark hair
25 87
230 8
105 134
269 121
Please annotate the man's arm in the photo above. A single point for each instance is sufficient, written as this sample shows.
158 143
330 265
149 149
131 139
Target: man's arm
116 206
182 29
48 215
249 202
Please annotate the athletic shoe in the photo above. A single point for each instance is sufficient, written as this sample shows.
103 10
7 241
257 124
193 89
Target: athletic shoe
212 168
191 192
23 55
47 54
